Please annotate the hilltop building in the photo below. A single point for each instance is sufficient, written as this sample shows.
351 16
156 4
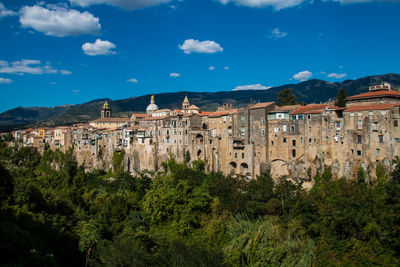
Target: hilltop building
291 140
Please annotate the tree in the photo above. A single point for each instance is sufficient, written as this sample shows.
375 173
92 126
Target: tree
340 98
286 97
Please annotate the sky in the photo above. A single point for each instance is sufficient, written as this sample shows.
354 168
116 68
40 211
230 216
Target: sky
73 51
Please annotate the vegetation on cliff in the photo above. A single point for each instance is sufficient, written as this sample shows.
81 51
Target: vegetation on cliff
54 214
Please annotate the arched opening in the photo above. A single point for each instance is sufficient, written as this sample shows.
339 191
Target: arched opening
232 166
199 138
199 153
244 168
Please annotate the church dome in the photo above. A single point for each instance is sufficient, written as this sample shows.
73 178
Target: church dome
152 107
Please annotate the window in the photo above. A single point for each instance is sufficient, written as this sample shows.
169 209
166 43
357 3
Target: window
251 130
175 131
293 117
359 139
243 118
327 139
380 138
284 140
359 114
294 142
378 152
338 124
375 126
262 121
242 131
284 128
370 113
294 153
174 140
301 117
276 129
383 112
251 139
301 139
242 155
309 140
397 140
359 153
262 132
395 123
292 128
272 143
235 155
351 114
251 119
359 124
309 116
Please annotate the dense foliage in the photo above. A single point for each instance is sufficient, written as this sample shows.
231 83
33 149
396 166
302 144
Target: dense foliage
286 98
54 214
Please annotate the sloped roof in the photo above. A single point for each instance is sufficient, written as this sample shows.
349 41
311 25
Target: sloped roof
111 120
374 94
262 105
371 107
222 113
309 109
284 108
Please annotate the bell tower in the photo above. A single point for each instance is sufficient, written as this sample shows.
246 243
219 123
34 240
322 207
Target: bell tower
185 104
106 111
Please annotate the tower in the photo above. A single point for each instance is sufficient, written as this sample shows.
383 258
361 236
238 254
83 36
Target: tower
185 104
152 107
106 111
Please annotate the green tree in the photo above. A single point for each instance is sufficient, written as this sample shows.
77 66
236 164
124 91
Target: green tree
286 97
340 98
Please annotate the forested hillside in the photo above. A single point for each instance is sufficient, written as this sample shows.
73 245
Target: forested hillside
54 214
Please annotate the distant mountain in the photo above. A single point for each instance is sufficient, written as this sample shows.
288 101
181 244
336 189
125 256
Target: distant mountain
312 91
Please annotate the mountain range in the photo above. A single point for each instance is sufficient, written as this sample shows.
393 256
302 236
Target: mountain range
311 91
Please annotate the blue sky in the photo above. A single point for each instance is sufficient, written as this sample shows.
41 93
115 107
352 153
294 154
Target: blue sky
72 51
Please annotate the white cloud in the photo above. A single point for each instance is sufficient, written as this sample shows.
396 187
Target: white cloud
124 4
174 75
98 48
65 72
226 68
59 21
277 34
75 91
211 68
251 87
29 66
337 75
133 80
276 4
5 81
195 46
302 76
4 12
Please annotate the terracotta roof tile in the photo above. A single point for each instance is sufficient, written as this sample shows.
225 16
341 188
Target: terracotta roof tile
371 107
222 113
262 105
373 94
284 108
110 120
314 108
204 113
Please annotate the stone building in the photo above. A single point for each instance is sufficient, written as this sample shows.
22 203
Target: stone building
291 140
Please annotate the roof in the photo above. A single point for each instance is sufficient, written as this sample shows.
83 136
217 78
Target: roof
111 120
154 118
204 113
335 108
139 115
371 107
309 109
194 107
262 105
163 110
375 94
284 108
222 113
